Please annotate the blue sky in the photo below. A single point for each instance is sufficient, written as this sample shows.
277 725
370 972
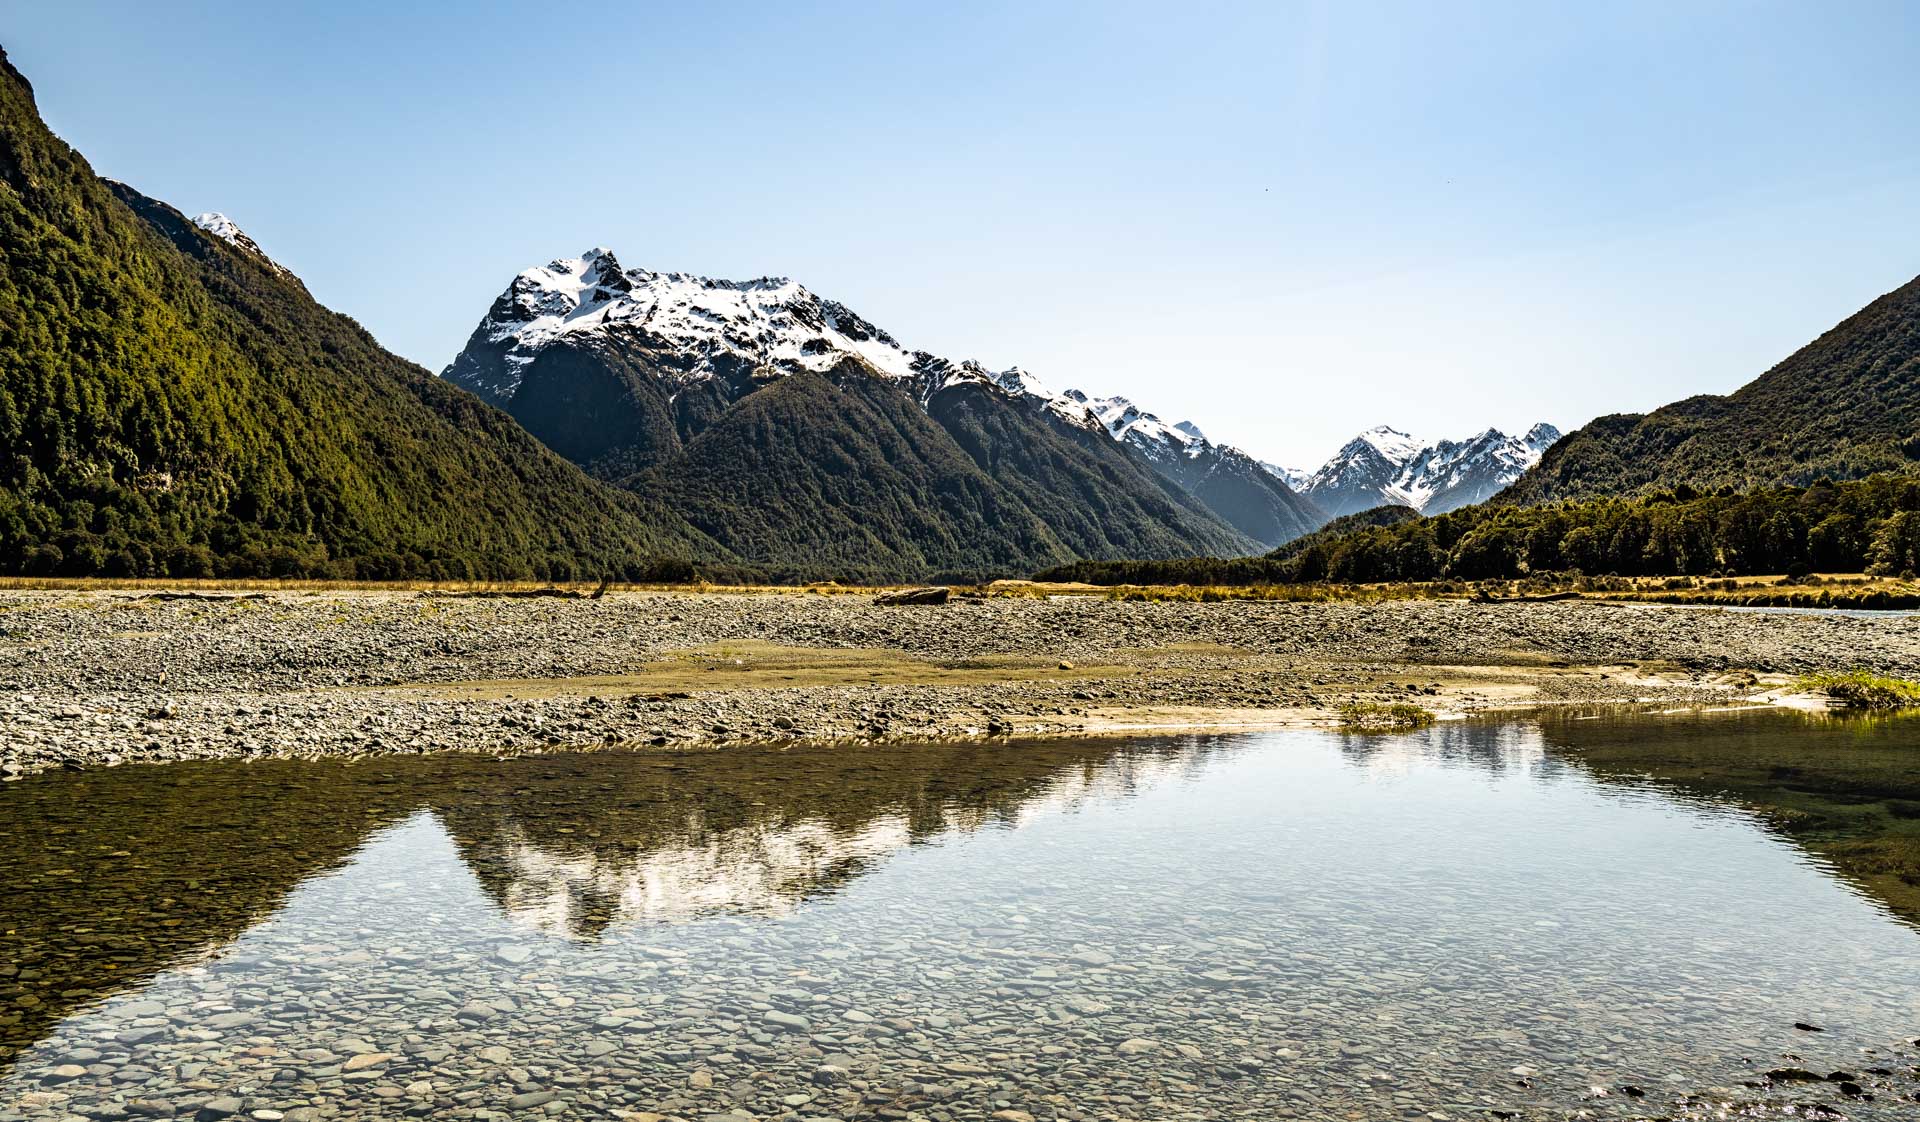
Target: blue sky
1287 222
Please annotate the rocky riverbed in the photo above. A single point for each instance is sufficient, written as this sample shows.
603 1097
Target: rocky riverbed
103 677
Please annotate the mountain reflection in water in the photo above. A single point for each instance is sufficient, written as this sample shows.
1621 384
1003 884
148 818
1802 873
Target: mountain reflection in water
571 852
112 876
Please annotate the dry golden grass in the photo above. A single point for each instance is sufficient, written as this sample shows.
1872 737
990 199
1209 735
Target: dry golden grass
748 664
1851 591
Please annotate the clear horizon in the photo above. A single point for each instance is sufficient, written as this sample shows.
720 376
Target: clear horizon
1284 223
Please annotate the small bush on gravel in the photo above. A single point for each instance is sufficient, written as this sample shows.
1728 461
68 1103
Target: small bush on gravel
1372 716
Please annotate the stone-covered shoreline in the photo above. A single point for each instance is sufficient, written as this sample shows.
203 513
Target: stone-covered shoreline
93 678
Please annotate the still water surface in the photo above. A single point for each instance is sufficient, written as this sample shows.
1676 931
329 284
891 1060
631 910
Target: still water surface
1471 919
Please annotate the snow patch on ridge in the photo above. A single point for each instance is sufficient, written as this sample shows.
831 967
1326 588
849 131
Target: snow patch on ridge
1292 477
229 231
1132 425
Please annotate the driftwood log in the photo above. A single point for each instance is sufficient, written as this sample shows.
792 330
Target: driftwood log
934 595
1546 599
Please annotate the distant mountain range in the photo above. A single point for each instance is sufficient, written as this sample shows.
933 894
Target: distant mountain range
175 403
674 385
1384 466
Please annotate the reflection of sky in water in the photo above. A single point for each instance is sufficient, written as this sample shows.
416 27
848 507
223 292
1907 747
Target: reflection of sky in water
1300 921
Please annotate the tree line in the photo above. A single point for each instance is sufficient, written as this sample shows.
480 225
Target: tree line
1869 525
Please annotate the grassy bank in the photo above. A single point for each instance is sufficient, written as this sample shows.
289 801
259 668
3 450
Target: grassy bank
1858 689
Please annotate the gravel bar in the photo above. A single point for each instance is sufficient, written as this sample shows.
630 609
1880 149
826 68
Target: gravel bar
93 678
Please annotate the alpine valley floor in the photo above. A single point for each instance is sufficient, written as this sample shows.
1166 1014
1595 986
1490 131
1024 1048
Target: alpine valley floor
101 677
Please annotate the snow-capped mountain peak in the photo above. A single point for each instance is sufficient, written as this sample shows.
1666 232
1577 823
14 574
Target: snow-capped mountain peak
767 322
770 323
229 231
1021 382
1541 437
1370 461
1395 446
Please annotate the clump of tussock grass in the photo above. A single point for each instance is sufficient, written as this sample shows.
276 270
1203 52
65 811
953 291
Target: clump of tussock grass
1858 689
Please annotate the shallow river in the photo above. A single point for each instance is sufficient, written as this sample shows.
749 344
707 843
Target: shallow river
1482 920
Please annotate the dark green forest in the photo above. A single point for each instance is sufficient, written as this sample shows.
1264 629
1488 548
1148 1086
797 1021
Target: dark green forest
1870 525
843 475
173 406
850 473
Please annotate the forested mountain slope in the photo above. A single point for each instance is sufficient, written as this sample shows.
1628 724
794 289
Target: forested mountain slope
1844 406
173 403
